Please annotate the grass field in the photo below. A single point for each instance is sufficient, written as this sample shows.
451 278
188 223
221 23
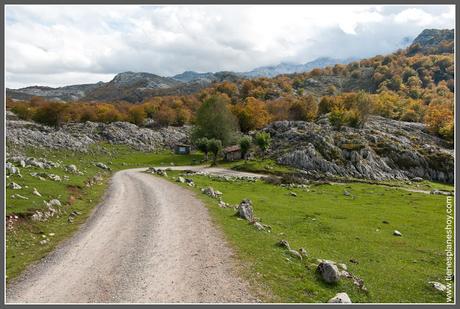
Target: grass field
330 225
23 241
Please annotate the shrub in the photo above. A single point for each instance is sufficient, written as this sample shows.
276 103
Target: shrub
263 140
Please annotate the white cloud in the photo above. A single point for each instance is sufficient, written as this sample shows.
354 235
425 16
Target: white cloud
59 45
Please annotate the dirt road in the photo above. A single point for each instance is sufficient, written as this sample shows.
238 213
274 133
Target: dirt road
219 171
150 241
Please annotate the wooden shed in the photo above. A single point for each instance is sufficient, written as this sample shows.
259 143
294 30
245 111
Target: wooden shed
182 149
232 153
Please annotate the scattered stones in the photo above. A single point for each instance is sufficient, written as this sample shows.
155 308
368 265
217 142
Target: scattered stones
11 169
340 298
222 204
44 241
439 192
14 186
72 168
96 179
303 252
397 233
245 210
157 171
259 226
181 179
54 177
328 272
19 196
284 244
209 191
102 166
438 286
35 192
72 216
295 253
54 202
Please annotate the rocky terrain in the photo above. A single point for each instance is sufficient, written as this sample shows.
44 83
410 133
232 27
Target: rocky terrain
80 136
383 150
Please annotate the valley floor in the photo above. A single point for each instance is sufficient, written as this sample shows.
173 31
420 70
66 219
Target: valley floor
350 223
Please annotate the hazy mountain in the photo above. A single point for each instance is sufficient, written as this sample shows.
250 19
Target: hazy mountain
289 68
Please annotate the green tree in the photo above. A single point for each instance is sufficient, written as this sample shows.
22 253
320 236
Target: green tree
215 121
203 145
215 147
263 140
245 144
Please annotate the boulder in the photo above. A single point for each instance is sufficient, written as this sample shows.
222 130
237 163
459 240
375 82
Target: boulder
209 191
438 286
284 244
397 233
102 166
14 186
181 179
72 168
328 272
340 298
245 210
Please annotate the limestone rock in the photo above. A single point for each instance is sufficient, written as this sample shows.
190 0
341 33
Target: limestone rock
340 298
328 272
245 210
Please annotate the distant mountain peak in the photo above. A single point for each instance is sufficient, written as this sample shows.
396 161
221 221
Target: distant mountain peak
431 37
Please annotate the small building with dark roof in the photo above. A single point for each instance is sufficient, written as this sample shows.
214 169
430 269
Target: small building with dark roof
232 153
182 149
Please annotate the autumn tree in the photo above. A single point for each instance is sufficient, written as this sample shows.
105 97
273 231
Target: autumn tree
306 109
252 114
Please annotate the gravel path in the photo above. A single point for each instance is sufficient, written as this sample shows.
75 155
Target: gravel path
219 171
150 241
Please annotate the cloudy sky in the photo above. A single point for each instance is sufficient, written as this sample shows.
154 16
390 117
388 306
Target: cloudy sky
62 45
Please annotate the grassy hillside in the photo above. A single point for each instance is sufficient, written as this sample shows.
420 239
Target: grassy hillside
356 230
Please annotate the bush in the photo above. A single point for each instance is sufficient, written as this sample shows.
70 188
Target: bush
263 140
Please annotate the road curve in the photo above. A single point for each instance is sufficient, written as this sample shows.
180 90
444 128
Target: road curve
150 241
